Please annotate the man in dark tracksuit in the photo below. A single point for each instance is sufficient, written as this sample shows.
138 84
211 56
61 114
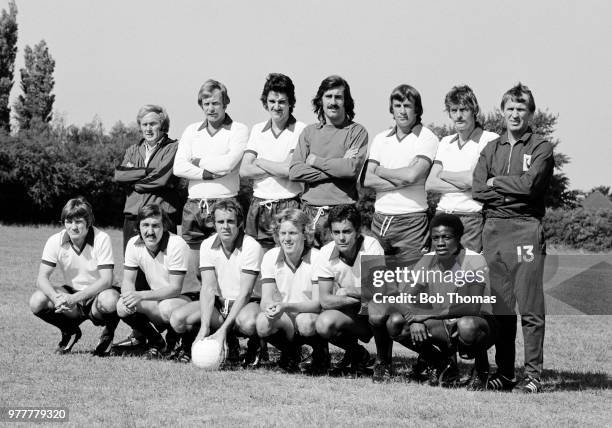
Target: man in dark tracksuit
511 180
147 171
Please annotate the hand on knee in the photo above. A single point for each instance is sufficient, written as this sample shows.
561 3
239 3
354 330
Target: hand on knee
123 311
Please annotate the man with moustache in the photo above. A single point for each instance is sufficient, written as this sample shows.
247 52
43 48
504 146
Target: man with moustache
208 155
511 179
453 167
266 159
330 155
163 258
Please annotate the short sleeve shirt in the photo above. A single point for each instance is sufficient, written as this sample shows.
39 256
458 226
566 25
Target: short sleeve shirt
79 266
245 257
388 151
265 144
470 270
293 285
171 258
454 158
345 273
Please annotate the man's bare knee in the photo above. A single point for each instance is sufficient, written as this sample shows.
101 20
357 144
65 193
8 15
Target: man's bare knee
325 325
177 321
166 307
264 326
306 324
395 324
377 320
39 302
246 324
469 330
106 302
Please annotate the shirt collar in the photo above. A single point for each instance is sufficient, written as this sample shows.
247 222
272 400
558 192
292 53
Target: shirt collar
305 257
413 130
227 123
237 243
335 254
504 139
159 142
474 136
89 239
162 247
290 125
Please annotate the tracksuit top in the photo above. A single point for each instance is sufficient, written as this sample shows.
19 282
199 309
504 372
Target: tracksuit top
522 176
153 182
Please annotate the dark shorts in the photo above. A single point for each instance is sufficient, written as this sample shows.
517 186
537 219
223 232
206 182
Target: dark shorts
444 332
472 229
225 305
198 222
194 296
403 234
319 216
260 218
84 307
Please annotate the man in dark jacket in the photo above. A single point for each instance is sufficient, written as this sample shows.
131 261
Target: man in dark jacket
147 171
511 179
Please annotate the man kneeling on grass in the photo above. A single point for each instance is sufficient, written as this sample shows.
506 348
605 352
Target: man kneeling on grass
85 257
163 257
229 263
290 294
344 319
453 309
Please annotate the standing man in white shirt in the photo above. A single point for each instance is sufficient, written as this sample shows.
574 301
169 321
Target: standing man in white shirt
453 168
399 162
267 157
208 154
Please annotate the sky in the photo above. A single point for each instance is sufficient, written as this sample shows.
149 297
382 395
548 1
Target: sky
114 56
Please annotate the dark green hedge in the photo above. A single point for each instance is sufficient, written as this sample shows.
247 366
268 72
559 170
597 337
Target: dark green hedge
579 228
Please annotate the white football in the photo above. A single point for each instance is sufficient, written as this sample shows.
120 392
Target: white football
208 354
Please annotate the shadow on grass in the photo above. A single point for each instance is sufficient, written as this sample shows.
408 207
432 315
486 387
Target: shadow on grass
563 380
553 380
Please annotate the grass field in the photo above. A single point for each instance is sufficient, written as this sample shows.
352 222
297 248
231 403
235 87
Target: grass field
131 391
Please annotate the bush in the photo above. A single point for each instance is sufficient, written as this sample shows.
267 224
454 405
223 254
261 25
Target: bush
579 228
39 172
